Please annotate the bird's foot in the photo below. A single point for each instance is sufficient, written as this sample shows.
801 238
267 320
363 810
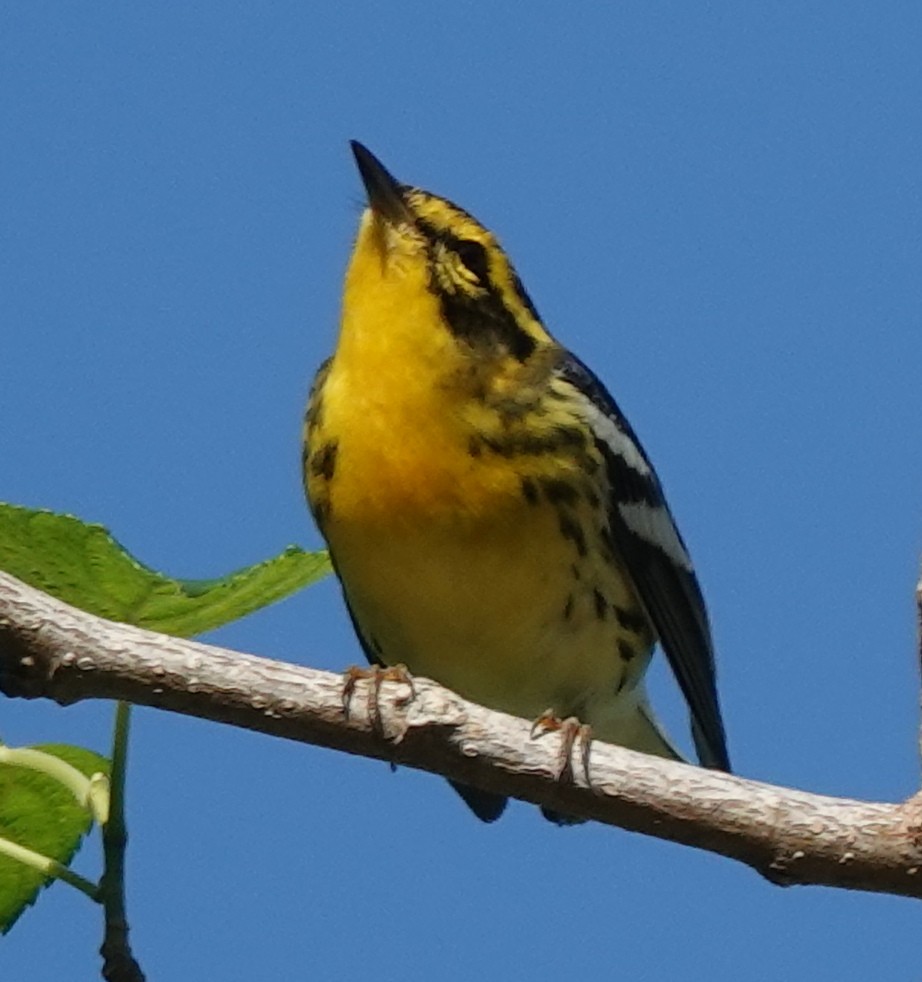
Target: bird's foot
377 675
571 730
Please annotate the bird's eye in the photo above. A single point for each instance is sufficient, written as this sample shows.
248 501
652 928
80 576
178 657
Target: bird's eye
474 257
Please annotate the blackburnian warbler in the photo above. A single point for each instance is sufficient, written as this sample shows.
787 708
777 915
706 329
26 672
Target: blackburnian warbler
493 519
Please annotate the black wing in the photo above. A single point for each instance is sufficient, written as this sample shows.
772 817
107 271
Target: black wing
645 535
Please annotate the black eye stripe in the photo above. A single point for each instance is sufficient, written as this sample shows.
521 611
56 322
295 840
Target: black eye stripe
479 320
471 252
474 257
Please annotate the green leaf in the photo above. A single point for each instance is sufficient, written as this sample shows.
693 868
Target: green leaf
85 566
40 813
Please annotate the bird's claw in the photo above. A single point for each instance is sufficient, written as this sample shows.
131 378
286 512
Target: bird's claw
377 675
571 730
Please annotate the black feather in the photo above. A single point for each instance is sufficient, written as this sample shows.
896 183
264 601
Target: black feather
669 592
484 804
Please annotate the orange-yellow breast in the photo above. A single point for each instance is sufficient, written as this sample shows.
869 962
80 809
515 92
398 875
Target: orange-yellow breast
452 570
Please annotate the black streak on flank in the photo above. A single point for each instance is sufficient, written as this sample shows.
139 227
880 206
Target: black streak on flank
572 530
314 414
321 510
601 604
323 461
529 491
570 436
631 620
559 492
531 445
625 651
588 464
608 545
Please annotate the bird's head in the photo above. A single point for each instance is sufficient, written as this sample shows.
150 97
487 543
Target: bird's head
416 250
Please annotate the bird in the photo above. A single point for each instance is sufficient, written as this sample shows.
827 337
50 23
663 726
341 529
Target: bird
492 517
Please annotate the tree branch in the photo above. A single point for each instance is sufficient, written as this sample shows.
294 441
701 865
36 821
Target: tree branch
51 650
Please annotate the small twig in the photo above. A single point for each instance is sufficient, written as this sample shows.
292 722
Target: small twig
48 867
118 962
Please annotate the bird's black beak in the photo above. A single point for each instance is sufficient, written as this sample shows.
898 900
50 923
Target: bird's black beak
385 192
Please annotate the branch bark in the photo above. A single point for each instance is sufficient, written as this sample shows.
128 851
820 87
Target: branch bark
51 650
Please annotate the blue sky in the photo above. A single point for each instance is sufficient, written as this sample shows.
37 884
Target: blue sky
716 205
